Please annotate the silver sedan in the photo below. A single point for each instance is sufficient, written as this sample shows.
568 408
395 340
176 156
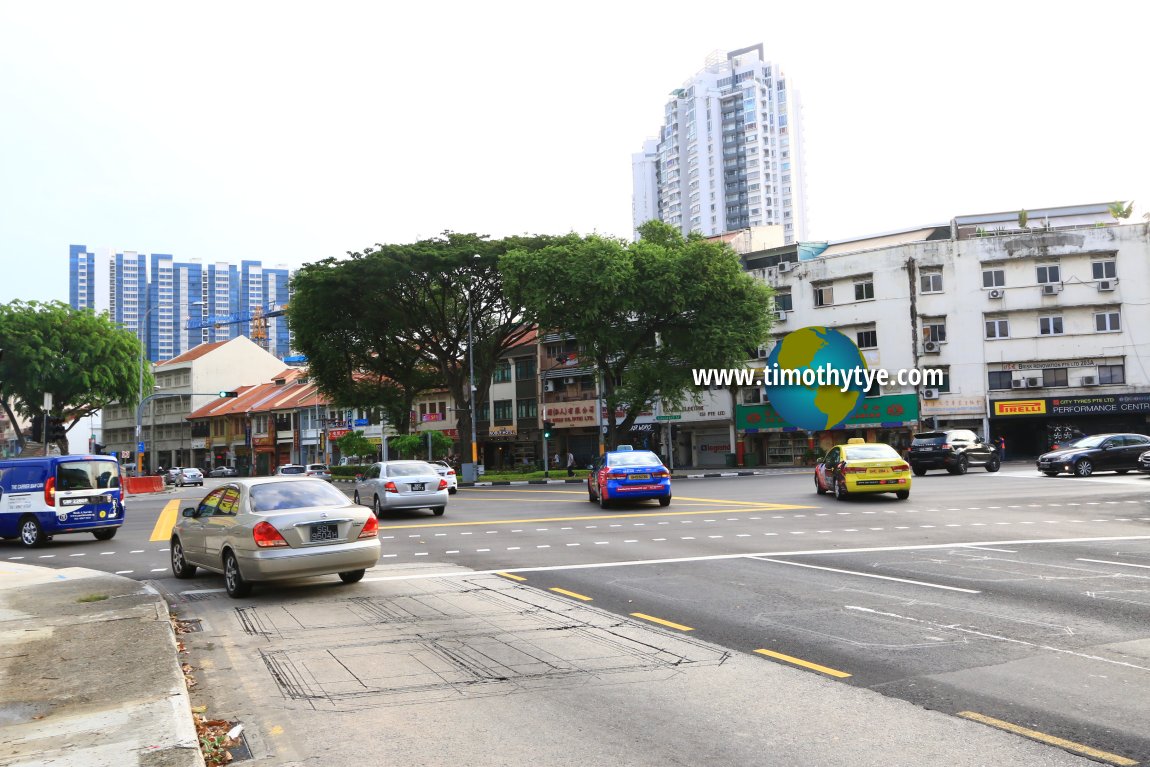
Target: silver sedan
392 485
274 528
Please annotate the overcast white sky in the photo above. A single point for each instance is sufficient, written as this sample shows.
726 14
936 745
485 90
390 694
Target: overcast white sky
290 132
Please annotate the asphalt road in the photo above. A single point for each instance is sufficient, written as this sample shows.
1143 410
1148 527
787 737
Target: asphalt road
1009 598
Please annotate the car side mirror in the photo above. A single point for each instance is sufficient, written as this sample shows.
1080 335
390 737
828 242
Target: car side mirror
189 512
358 477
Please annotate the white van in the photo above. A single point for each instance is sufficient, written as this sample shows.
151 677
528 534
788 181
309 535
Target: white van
60 494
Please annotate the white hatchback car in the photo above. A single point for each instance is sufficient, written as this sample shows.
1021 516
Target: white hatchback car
446 471
401 485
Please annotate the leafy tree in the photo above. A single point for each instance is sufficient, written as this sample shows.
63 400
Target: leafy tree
1121 210
646 312
83 359
415 445
355 445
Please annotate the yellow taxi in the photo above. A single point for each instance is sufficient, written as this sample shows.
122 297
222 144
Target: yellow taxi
863 467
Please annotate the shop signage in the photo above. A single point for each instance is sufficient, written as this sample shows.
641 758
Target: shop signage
453 433
1039 365
334 434
501 431
642 428
1099 404
901 409
954 403
263 441
668 417
431 417
573 414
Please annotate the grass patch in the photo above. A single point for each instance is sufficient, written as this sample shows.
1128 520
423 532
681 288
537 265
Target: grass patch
92 598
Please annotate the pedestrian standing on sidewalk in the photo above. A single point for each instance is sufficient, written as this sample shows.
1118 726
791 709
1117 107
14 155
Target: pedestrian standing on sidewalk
570 464
1001 445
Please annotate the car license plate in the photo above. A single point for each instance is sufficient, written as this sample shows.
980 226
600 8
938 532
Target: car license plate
418 487
324 531
877 471
640 476
84 500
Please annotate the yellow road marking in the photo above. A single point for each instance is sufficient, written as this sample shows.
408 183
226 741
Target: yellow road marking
512 577
662 622
572 594
804 663
167 520
598 517
1069 745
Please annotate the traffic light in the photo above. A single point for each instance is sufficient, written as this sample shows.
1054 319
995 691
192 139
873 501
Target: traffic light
56 430
37 428
229 394
547 427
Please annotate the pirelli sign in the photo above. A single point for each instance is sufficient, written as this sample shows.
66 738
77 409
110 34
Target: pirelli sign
1086 405
1020 407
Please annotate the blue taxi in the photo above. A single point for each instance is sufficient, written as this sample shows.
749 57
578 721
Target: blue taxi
626 475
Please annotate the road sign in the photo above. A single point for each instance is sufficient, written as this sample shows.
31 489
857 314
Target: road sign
668 417
139 447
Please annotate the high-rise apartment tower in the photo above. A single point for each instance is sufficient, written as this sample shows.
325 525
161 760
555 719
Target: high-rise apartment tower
730 153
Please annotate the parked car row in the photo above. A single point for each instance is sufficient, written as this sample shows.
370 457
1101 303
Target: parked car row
1084 456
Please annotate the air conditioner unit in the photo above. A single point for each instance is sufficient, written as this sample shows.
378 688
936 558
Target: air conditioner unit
997 293
1106 285
569 381
1089 380
931 347
1051 289
930 393
786 266
1018 383
781 316
763 353
1033 383
548 386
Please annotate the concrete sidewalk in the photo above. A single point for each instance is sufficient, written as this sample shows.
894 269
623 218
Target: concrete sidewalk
89 673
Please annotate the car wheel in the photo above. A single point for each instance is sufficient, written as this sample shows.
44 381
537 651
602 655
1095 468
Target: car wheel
352 576
818 487
665 501
452 490
993 464
31 533
1050 473
918 471
603 500
105 535
1084 468
233 579
840 489
376 507
591 496
902 495
355 498
438 510
180 566
961 467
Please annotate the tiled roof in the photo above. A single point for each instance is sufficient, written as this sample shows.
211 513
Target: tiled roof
192 354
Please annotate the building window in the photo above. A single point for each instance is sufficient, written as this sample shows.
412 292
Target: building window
997 329
867 339
524 368
1103 270
931 282
824 295
1111 374
864 289
875 389
1048 274
1107 322
934 330
783 302
993 278
943 386
1054 377
502 372
502 410
998 379
525 409
1050 326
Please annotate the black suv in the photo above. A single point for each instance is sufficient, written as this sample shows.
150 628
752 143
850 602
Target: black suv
956 451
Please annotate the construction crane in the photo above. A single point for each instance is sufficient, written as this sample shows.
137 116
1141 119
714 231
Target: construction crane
256 318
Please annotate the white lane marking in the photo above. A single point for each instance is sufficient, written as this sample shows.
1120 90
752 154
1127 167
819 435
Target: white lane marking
868 575
572 544
75 555
47 556
601 543
658 539
631 541
389 537
105 553
437 535
159 569
385 556
1107 562
136 551
543 546
15 558
453 551
513 548
124 572
988 548
795 553
479 550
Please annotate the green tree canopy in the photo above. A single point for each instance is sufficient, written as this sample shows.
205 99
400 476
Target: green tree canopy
355 445
84 360
415 445
646 312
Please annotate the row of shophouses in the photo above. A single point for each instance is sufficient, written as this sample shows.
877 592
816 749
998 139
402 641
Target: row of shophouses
1039 332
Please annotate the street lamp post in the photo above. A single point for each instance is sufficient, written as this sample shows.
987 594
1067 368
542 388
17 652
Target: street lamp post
140 399
469 469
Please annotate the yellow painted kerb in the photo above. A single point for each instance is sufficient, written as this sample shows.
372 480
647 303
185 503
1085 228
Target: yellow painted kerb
163 529
804 663
1069 745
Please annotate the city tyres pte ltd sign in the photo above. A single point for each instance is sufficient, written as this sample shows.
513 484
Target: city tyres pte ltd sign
1113 404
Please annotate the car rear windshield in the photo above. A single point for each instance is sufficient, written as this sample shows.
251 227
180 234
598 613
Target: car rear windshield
929 439
317 467
296 494
409 469
864 452
87 475
637 458
292 470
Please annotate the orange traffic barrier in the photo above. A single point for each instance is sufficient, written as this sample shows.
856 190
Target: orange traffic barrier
134 485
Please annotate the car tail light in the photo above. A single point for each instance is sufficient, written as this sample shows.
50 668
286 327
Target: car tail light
854 470
451 472
901 467
661 474
945 446
50 491
371 529
616 475
390 488
267 537
443 484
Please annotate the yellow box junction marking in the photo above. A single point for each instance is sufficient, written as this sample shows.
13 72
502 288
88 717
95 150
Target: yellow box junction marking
571 594
1069 745
167 520
512 577
804 663
652 514
662 622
